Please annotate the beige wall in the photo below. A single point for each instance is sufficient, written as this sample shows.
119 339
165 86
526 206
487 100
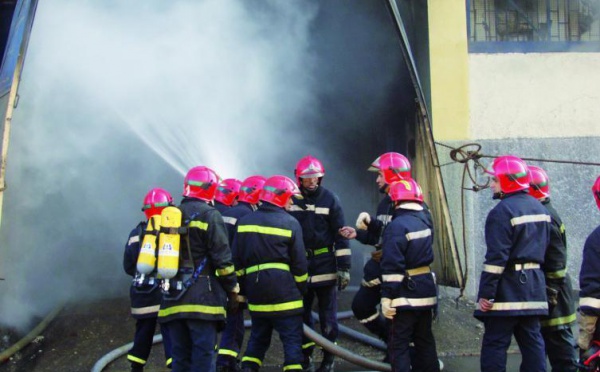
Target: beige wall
540 95
448 69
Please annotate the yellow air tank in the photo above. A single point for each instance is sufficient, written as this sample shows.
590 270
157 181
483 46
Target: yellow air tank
168 243
146 262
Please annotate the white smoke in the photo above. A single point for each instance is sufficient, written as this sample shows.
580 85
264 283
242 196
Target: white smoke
118 97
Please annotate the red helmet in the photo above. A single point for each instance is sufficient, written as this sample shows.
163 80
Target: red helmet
278 190
512 173
539 187
596 191
250 189
201 183
309 167
155 201
228 190
406 190
393 166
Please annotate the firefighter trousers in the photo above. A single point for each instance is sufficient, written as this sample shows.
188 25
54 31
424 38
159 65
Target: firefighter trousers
193 343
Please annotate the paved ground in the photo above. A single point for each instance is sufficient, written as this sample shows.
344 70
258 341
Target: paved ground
82 334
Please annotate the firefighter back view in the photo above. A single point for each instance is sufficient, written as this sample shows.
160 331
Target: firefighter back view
409 293
233 334
268 247
589 296
139 261
556 327
320 214
512 288
194 300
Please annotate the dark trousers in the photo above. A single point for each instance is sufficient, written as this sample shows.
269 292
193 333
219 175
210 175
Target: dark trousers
497 338
415 326
365 309
231 340
142 341
290 334
194 343
327 304
560 348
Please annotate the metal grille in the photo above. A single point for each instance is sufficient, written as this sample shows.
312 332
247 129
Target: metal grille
534 20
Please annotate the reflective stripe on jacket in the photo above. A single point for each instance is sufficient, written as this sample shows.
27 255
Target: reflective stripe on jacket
517 232
206 298
321 216
268 251
407 254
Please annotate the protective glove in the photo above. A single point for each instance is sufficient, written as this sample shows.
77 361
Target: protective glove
376 256
232 300
343 278
552 295
387 309
587 327
363 221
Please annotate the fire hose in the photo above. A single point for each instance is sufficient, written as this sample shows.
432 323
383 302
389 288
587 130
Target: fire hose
331 347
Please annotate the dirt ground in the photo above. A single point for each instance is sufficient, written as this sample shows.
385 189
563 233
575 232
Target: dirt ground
82 334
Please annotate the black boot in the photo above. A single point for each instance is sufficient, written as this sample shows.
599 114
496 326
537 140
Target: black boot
327 364
137 367
307 364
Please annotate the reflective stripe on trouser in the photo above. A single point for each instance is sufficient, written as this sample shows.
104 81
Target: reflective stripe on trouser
497 337
365 309
412 326
194 343
142 341
231 340
327 305
560 348
290 333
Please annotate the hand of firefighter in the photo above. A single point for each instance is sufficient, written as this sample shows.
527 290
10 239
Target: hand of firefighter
376 256
232 300
363 221
587 327
343 278
347 232
485 304
387 309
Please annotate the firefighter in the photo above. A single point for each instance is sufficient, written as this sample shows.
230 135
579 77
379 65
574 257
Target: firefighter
556 327
268 247
512 288
408 289
144 292
589 282
233 334
321 216
369 231
194 307
227 194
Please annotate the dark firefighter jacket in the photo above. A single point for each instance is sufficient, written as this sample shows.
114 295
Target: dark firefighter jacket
231 217
372 236
320 215
268 247
589 276
145 301
407 253
558 283
517 232
206 298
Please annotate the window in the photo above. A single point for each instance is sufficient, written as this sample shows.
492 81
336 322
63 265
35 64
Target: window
534 25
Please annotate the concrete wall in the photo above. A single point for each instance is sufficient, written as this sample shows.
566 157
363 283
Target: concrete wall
538 106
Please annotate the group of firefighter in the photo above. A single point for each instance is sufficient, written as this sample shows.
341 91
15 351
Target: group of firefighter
275 245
